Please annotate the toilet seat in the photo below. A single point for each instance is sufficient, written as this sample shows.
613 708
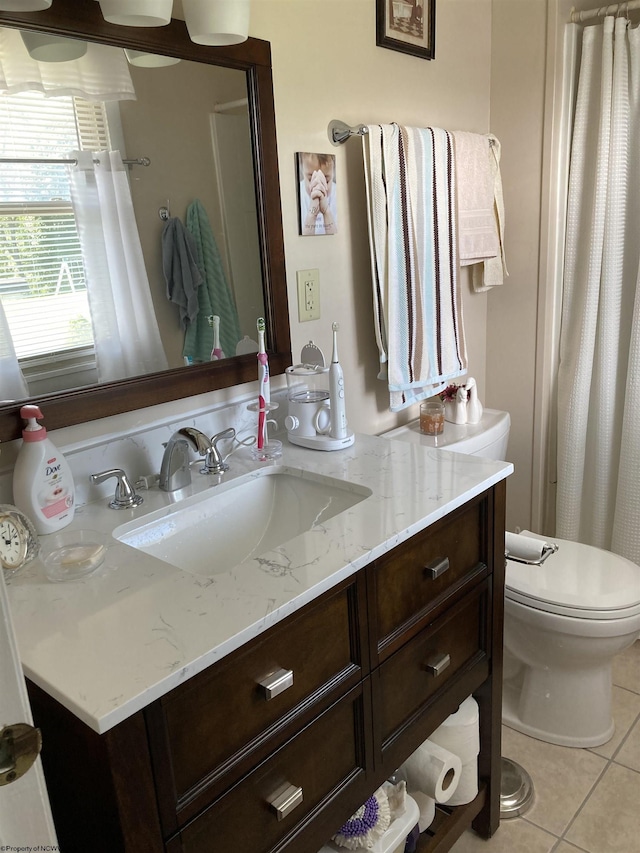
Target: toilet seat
579 580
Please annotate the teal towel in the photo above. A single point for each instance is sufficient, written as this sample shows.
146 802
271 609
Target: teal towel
214 295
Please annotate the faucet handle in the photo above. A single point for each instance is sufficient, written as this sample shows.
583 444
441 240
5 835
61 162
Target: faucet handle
226 433
125 495
214 463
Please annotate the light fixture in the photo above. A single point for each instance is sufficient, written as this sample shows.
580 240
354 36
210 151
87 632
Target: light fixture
217 22
24 5
142 59
137 13
45 47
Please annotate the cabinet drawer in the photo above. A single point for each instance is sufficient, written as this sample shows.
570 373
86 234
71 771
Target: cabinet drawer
415 577
227 714
316 766
431 662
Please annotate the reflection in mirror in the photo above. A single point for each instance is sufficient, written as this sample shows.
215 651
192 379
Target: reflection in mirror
207 129
206 157
204 170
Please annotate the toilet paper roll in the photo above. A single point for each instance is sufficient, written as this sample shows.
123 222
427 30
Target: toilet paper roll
467 788
460 732
427 806
433 770
523 547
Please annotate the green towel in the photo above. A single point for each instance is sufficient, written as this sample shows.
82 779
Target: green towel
214 295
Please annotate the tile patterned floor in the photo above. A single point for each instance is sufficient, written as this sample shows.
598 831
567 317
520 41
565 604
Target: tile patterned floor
586 800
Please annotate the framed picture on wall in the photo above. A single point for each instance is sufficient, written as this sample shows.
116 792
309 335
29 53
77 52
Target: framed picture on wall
317 199
407 25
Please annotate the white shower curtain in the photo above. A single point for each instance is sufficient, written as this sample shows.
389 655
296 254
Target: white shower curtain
125 330
12 382
598 495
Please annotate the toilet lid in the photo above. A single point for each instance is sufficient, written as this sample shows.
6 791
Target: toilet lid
578 580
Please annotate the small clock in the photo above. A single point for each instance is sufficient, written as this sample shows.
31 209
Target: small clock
18 539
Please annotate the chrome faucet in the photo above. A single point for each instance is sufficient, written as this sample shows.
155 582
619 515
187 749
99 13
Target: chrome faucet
125 496
214 463
175 472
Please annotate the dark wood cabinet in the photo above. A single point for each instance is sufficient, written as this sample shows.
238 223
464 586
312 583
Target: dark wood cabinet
455 643
416 581
209 732
281 741
327 756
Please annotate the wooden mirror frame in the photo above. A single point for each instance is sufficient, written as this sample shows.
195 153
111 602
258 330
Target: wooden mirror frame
84 20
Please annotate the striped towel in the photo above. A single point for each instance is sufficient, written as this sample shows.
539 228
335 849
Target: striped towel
410 179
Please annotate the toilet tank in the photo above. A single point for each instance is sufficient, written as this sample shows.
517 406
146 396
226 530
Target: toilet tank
488 438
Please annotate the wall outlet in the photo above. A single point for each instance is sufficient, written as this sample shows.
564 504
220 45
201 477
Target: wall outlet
308 295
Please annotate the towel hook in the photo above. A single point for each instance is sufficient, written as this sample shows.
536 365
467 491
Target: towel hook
165 213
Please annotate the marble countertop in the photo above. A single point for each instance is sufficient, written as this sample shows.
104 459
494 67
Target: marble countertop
109 644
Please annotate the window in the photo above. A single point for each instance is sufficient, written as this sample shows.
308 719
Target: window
42 279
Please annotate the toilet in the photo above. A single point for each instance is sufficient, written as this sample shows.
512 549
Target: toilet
564 620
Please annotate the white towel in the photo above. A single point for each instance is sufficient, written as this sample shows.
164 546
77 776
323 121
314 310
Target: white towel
410 179
477 228
492 271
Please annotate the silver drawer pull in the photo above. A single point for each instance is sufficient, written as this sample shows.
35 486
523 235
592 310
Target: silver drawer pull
276 682
285 800
437 664
436 568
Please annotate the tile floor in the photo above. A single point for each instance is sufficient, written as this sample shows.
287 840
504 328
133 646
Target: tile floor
585 799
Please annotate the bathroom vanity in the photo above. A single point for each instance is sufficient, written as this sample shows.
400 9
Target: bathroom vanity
258 708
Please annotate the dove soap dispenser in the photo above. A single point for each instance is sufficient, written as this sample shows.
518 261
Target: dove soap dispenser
42 480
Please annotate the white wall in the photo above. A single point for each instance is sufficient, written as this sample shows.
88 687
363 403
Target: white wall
326 65
523 318
517 109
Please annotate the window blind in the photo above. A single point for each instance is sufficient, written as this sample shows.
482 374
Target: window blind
42 280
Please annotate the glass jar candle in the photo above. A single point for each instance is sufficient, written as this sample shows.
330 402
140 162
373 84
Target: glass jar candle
432 418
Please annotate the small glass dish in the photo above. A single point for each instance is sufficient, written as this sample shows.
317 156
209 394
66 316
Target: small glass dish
72 554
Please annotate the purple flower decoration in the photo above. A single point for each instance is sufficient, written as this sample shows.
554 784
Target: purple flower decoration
363 820
368 824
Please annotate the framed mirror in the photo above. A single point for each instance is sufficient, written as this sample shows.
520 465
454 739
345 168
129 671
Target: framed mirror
250 62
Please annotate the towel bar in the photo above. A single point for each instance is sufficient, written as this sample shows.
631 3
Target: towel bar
338 132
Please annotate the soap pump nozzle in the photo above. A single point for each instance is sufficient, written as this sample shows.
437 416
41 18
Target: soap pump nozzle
33 431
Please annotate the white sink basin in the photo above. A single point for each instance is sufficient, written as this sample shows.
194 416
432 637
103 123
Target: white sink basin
227 525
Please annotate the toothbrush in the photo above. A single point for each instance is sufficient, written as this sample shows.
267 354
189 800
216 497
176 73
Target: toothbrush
336 391
264 383
216 352
261 422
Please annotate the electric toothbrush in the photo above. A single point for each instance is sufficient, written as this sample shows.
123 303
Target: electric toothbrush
264 384
336 391
216 352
